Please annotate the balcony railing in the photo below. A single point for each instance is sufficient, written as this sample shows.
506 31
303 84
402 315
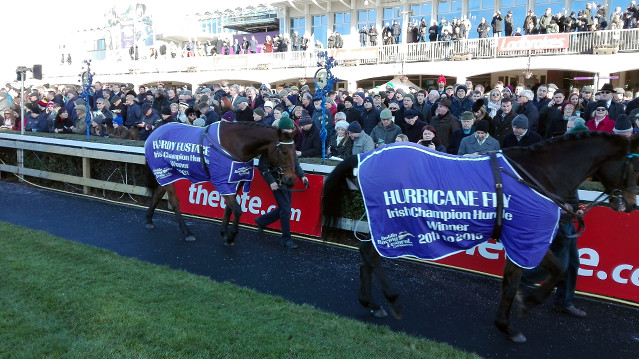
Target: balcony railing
118 61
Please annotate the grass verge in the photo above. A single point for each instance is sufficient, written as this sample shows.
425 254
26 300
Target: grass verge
61 299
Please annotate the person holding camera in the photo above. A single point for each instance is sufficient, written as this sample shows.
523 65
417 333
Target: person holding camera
430 139
496 23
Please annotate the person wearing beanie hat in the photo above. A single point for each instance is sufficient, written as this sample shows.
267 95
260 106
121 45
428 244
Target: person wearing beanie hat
386 130
258 115
339 146
348 99
480 143
310 144
281 192
460 102
228 116
362 142
369 117
522 135
444 121
623 126
441 84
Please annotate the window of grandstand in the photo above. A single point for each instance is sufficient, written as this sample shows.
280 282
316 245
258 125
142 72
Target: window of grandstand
576 6
476 10
298 24
391 14
213 26
421 11
554 5
320 27
449 9
366 17
342 23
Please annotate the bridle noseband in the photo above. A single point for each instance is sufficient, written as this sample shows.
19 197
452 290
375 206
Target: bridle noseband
279 168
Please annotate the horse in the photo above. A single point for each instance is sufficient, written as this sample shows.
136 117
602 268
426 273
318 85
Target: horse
555 167
221 153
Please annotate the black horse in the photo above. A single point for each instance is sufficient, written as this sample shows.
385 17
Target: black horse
238 142
559 164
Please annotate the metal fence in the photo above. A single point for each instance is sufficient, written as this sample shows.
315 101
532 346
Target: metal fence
579 43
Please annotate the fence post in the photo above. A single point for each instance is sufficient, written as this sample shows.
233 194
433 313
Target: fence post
86 172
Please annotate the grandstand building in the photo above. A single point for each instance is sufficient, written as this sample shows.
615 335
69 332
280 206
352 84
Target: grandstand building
135 48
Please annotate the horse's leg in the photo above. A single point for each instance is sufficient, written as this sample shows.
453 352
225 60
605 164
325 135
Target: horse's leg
390 292
557 274
509 285
158 192
366 281
232 208
175 203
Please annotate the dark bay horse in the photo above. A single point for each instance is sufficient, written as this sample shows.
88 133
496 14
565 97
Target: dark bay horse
559 164
221 153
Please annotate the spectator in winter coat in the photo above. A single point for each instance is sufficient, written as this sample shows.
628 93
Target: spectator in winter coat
521 135
310 144
361 141
479 142
444 122
385 131
370 117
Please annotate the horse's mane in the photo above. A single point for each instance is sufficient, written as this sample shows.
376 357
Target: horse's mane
569 137
253 124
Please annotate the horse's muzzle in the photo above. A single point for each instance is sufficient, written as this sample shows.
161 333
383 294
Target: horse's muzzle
289 181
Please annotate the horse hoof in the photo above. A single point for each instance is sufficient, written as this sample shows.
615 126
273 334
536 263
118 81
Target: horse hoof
518 338
229 244
149 226
379 313
189 238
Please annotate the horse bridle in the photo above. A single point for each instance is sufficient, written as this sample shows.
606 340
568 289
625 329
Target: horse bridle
616 193
279 169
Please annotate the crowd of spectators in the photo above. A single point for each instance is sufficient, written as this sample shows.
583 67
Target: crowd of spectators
459 119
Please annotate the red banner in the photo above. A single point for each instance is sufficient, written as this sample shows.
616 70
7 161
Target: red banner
203 200
533 42
608 254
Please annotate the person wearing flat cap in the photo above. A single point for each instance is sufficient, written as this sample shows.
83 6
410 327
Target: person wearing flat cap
386 130
478 143
444 122
522 135
361 141
613 108
282 194
243 112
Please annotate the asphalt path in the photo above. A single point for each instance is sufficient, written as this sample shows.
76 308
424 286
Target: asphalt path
440 304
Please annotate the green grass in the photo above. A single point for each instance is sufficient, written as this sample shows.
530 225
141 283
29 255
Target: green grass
60 299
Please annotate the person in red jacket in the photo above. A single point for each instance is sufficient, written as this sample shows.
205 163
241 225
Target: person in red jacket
600 121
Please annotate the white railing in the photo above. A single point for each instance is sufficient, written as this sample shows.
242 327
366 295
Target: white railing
579 43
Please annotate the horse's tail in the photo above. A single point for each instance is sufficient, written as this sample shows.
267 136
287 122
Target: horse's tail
336 189
149 179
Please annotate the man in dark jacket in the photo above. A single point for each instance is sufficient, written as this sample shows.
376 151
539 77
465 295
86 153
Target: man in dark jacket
282 194
207 111
133 112
521 136
352 114
496 23
444 122
370 117
310 144
461 103
527 108
502 122
551 117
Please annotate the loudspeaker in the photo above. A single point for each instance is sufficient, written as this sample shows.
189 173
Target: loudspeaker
37 72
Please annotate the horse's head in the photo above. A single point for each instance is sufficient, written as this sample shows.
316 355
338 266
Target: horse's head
284 156
620 179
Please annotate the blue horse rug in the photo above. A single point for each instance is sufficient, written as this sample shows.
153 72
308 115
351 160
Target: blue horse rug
173 152
429 205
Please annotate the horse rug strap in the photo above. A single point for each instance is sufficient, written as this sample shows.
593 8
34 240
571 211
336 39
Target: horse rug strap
435 205
499 190
175 151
